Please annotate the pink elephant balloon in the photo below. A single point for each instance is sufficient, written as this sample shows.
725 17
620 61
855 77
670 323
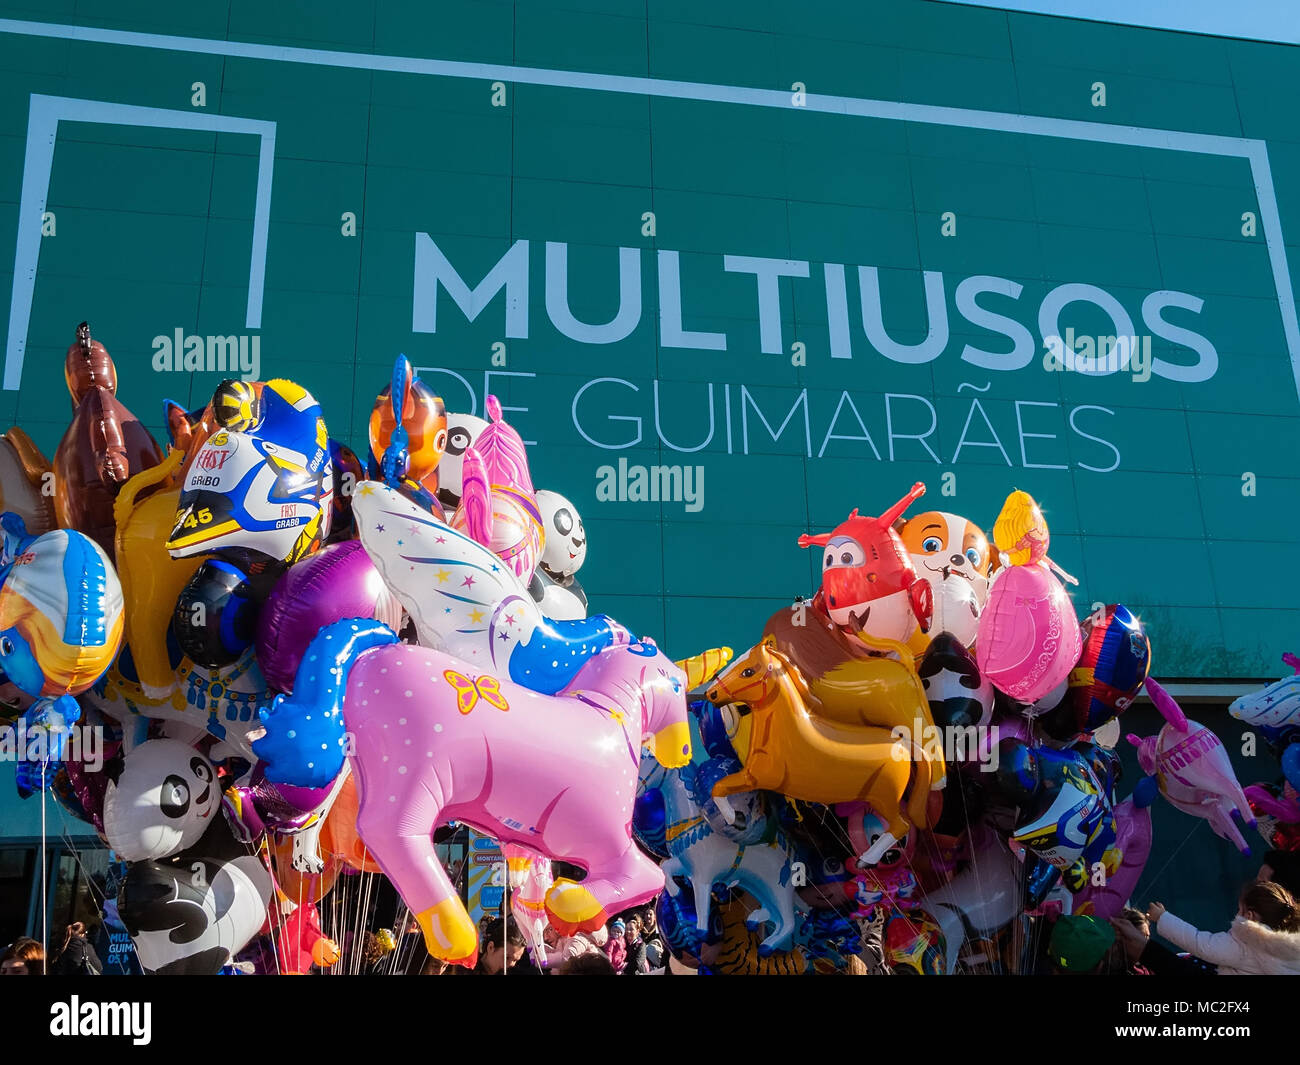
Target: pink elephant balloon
433 738
1028 637
1130 852
1193 770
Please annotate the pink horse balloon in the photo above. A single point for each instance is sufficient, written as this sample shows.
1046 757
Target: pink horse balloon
1192 767
433 739
498 506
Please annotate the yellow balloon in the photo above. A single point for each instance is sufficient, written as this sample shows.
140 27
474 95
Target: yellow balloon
1021 531
792 750
151 579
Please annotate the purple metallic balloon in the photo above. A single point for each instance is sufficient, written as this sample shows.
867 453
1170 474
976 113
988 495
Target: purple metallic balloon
337 582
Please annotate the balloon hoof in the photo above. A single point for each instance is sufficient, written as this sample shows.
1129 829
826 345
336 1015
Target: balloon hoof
449 933
573 909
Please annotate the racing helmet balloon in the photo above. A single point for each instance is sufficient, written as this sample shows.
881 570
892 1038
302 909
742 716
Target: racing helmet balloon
262 482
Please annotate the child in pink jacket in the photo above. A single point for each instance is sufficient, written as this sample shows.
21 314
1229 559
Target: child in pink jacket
1264 939
616 948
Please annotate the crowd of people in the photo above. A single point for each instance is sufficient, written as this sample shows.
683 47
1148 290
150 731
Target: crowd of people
1262 939
74 956
630 944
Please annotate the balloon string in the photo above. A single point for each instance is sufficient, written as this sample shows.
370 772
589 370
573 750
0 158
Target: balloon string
45 894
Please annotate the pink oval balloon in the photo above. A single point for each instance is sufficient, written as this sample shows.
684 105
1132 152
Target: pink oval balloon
1028 637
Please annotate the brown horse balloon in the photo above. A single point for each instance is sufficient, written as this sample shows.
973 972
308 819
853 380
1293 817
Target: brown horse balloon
104 447
26 482
852 680
787 748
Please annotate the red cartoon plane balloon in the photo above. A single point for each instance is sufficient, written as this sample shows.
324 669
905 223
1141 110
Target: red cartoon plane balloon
868 584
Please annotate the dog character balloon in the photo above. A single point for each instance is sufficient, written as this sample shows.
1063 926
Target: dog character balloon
953 555
869 585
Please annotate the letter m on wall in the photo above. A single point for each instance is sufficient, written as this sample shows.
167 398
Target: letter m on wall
43 120
433 270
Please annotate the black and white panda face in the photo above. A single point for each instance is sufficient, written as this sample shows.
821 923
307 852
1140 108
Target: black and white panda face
178 792
566 539
462 430
162 801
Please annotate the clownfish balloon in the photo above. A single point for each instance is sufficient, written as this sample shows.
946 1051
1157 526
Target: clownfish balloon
61 616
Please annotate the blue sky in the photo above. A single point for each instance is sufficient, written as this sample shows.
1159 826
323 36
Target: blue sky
1264 20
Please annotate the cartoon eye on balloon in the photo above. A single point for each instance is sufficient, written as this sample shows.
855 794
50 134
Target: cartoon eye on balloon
844 552
174 798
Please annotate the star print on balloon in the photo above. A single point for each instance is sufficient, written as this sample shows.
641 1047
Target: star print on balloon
463 601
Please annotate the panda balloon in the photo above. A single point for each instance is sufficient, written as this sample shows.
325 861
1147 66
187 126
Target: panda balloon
190 913
462 430
160 799
554 586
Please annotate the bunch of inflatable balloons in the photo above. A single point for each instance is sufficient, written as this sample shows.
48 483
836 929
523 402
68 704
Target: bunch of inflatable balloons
308 663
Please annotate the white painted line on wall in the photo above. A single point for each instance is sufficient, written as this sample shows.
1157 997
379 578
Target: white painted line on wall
42 131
